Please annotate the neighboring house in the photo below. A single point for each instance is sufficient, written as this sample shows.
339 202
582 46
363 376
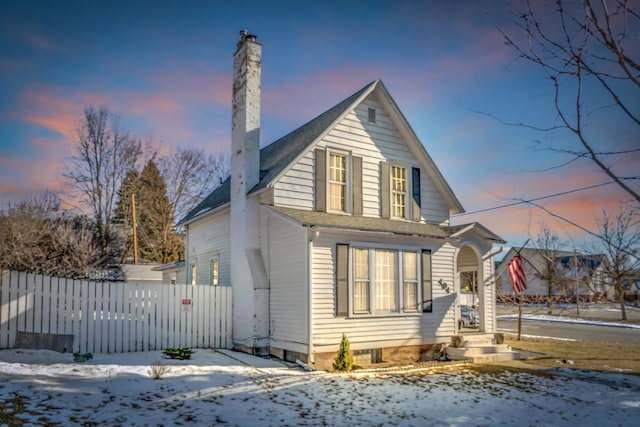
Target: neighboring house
340 227
631 286
575 274
142 273
173 273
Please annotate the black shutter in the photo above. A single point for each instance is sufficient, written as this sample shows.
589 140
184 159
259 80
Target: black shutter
321 180
356 181
342 280
385 192
415 190
427 292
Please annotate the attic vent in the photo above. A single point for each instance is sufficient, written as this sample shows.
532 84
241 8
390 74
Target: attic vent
372 115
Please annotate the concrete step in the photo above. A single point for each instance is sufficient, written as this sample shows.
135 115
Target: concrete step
483 353
479 348
486 349
496 357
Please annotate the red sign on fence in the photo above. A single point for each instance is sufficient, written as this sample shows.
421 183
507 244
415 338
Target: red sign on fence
186 305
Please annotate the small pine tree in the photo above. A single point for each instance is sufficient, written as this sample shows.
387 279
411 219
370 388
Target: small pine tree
344 359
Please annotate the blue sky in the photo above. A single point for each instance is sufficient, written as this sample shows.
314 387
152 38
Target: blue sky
165 68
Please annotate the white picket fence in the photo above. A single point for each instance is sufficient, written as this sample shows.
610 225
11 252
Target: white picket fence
108 317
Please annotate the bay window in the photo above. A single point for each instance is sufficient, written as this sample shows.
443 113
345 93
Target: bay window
383 280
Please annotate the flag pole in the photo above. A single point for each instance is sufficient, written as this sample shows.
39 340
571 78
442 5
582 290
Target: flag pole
519 296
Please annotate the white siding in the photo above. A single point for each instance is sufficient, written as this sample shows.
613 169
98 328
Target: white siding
380 331
374 142
467 258
209 238
489 287
284 246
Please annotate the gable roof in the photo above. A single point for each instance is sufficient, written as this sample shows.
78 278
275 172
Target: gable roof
461 230
277 157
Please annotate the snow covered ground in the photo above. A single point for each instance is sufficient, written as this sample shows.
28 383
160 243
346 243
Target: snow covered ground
227 388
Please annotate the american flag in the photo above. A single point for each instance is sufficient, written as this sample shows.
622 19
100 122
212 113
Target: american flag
516 272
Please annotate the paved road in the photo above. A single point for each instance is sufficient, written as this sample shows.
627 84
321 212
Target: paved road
572 331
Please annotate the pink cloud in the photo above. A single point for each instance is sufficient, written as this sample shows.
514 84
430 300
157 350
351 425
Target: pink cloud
579 207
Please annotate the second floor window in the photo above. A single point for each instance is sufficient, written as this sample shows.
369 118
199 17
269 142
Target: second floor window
398 191
337 182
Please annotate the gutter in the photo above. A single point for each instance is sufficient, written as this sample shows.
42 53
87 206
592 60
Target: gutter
311 235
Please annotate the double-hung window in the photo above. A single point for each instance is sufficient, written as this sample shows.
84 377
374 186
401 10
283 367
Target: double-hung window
386 289
361 281
338 190
399 191
215 271
410 280
192 273
338 181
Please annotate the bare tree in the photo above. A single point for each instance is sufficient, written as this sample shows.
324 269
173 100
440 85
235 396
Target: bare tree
548 245
190 175
620 246
104 153
588 51
37 236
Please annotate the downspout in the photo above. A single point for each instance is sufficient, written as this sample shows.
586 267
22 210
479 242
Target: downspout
309 266
186 255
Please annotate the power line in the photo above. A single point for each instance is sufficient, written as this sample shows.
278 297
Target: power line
520 202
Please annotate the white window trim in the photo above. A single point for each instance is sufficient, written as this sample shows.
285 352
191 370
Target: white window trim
193 268
408 173
348 197
399 250
217 259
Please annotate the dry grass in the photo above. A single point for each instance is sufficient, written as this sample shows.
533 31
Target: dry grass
594 356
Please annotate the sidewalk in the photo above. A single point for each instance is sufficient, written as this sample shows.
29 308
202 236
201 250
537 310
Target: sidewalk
607 312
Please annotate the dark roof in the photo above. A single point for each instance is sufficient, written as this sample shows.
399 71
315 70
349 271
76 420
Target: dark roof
485 232
591 262
362 223
275 157
218 197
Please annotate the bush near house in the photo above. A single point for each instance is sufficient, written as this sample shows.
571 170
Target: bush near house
178 353
344 360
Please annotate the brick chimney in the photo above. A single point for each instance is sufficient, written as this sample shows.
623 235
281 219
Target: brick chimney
245 119
248 275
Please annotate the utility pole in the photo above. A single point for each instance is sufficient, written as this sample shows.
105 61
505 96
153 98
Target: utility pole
135 233
575 278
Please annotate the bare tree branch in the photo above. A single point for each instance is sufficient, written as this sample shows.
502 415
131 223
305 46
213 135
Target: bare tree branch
582 54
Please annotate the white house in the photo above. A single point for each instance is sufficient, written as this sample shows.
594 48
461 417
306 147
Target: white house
574 274
339 227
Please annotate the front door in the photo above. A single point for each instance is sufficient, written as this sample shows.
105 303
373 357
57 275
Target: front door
468 300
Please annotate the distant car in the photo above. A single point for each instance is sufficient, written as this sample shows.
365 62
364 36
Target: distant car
468 317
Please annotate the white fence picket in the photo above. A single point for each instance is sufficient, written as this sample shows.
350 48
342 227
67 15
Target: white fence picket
115 317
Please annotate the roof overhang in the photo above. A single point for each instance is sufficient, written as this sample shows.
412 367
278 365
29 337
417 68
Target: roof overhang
461 230
350 223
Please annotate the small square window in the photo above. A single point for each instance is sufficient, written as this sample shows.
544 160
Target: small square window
372 115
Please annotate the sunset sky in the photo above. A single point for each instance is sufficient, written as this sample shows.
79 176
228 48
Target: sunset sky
165 69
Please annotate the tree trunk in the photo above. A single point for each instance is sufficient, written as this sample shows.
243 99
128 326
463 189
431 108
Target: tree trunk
623 310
